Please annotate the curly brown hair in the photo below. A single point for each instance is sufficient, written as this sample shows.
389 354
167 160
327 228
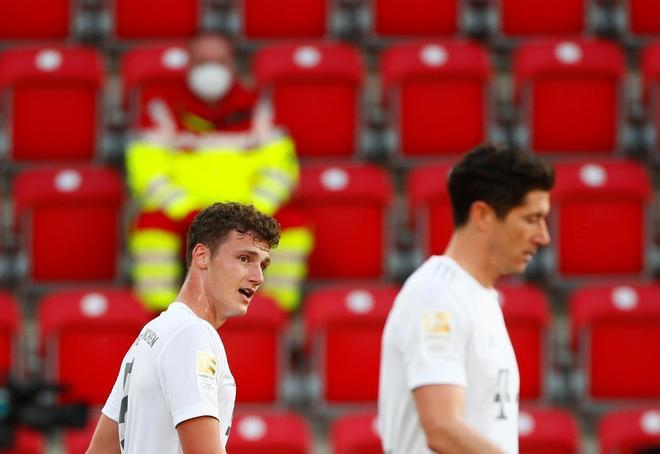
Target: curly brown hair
213 224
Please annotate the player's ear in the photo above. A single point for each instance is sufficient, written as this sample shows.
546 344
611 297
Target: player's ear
200 256
482 215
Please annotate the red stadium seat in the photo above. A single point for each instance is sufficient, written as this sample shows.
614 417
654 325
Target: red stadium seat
430 207
591 195
255 350
9 326
525 18
343 332
149 72
333 198
52 101
138 19
643 17
548 431
269 431
569 95
635 431
616 333
27 441
437 93
263 19
35 19
527 317
84 336
68 221
650 66
316 91
355 434
399 18
76 441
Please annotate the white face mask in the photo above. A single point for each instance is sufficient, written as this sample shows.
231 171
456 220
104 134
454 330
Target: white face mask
210 81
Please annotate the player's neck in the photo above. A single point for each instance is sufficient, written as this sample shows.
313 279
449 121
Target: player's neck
192 295
469 251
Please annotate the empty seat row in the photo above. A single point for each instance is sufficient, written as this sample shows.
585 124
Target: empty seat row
438 96
61 215
259 19
542 430
613 327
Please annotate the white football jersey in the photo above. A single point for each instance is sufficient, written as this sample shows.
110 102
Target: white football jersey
176 370
446 328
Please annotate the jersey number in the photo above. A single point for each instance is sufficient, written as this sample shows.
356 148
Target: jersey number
124 403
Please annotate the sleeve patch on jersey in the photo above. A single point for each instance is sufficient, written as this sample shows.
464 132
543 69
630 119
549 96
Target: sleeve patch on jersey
206 364
437 323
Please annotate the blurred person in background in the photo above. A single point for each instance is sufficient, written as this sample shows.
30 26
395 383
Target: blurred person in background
175 392
216 143
449 379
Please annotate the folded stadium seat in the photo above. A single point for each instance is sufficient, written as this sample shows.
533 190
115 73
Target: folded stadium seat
148 72
616 335
256 351
316 92
347 207
355 433
9 327
51 98
632 431
548 431
401 18
650 69
643 17
264 19
527 18
84 336
343 327
599 218
430 207
35 19
437 95
274 432
137 19
527 318
76 441
68 221
569 96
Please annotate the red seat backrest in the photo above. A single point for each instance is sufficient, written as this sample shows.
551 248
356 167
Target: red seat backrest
255 351
269 431
630 431
548 431
569 94
9 326
65 214
355 433
416 17
138 19
615 328
346 206
84 336
35 19
315 89
539 17
263 19
51 97
592 200
437 93
343 330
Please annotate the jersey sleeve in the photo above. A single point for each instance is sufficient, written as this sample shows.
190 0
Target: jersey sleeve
432 338
113 404
188 373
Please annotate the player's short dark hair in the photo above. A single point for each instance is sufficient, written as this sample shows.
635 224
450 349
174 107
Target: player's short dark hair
213 224
497 175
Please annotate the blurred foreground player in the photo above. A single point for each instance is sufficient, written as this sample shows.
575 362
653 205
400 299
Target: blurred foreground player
175 392
449 379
